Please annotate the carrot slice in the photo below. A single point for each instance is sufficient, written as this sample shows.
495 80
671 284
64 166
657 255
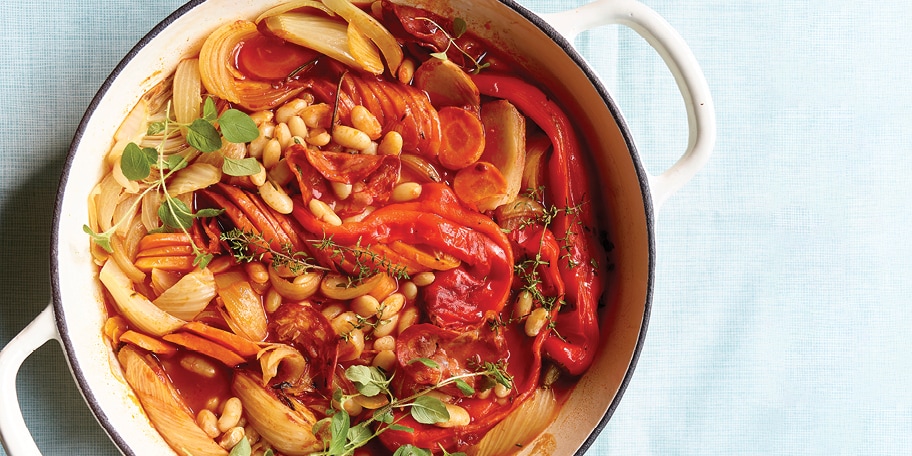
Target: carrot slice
205 347
481 186
152 344
462 138
236 343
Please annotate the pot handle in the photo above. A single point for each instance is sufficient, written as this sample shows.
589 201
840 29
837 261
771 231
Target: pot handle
14 435
701 116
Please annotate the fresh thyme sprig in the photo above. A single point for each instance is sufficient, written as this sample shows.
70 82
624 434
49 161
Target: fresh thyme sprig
367 263
247 246
459 28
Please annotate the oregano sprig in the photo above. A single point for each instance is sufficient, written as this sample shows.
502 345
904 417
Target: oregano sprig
459 28
205 135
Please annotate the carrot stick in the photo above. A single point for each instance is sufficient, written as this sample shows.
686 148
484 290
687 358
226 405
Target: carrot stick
154 240
205 347
182 263
149 343
167 250
236 343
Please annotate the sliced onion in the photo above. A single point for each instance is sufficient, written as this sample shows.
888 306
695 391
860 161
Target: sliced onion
521 427
187 98
289 429
336 286
194 177
320 33
244 308
289 359
363 50
505 142
216 57
372 28
301 288
162 403
291 6
189 296
138 309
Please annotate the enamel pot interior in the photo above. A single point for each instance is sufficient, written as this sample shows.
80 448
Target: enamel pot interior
619 182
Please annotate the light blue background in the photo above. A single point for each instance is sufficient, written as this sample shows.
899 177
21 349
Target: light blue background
781 317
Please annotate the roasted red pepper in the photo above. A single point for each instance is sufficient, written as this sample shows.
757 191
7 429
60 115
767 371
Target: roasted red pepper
459 298
577 330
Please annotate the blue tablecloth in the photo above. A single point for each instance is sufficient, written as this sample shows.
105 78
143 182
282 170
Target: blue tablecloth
781 318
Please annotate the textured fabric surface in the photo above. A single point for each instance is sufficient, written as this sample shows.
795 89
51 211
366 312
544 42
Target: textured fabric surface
781 315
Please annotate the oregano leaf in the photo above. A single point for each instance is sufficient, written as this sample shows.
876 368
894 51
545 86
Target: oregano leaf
242 448
426 361
439 55
464 387
339 427
209 213
174 213
360 434
429 410
155 128
176 162
210 113
203 136
459 27
103 240
399 427
134 163
238 127
411 450
202 260
240 166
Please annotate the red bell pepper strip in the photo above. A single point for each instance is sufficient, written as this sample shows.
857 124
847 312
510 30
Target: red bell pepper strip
577 326
460 298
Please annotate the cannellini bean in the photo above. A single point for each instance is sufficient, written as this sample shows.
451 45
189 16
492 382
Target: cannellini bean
391 144
386 327
317 115
272 153
283 134
333 310
458 417
297 127
523 304
536 321
280 173
198 365
484 394
273 300
371 149
423 279
256 271
373 402
259 117
391 305
349 405
351 138
364 120
260 177
276 198
409 290
502 391
406 191
406 71
342 190
385 343
366 306
231 414
231 438
208 422
318 137
291 108
323 212
407 318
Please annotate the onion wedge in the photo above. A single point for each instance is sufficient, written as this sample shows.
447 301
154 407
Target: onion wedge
521 427
189 296
320 33
138 309
289 428
162 403
372 28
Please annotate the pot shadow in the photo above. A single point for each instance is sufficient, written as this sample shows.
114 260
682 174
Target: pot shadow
54 410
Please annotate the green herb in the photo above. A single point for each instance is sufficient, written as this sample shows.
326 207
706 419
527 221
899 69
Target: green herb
247 246
242 448
240 167
371 381
411 450
138 164
459 28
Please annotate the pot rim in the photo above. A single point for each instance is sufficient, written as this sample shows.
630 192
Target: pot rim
60 315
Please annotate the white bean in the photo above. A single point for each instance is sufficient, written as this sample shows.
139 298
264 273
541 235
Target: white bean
423 279
536 321
366 121
276 198
323 212
406 191
391 144
231 414
351 138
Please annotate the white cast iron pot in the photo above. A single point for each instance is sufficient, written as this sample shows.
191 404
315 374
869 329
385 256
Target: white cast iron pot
630 198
